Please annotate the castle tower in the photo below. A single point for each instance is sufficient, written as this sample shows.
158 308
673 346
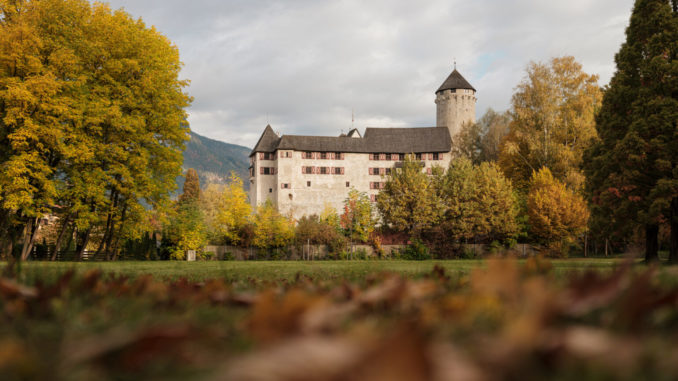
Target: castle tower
456 103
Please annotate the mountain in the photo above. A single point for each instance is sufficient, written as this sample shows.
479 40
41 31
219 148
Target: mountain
214 160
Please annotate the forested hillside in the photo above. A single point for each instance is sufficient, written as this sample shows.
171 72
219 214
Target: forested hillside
214 160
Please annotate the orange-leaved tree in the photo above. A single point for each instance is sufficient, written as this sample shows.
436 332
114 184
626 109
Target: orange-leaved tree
557 215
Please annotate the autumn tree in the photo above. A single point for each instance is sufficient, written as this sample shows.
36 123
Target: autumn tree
632 170
191 187
552 123
557 215
481 141
408 201
226 210
357 219
91 118
478 201
271 229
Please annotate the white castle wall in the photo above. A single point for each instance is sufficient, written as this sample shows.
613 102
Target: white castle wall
325 189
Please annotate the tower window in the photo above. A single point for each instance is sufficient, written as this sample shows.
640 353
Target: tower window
270 190
308 183
348 184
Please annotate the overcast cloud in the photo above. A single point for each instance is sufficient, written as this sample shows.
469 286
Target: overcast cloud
304 65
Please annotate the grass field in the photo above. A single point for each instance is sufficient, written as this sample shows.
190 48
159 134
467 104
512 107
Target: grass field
341 320
238 271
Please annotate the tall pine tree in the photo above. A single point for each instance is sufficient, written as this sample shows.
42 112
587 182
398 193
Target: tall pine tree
631 171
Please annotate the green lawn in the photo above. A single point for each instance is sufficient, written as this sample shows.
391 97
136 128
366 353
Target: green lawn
236 271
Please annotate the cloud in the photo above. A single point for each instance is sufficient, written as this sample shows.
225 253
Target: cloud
304 66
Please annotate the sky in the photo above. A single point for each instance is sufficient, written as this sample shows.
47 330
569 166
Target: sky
307 66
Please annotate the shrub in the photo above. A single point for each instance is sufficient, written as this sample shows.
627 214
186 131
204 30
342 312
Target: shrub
415 251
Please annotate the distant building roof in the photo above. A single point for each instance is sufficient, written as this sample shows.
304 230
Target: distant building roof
455 81
376 140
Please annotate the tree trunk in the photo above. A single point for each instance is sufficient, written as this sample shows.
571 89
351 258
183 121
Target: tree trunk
83 245
29 238
651 243
673 251
117 238
61 236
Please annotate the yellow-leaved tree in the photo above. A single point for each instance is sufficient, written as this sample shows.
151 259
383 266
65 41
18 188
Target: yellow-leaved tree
552 124
271 229
226 210
557 215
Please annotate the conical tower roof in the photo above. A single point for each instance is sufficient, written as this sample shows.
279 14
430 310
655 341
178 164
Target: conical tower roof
455 81
267 142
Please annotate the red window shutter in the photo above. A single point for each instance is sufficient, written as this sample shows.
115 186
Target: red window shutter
261 170
342 156
274 171
314 170
369 170
261 156
440 156
371 157
342 169
428 171
382 171
382 156
303 170
394 156
331 155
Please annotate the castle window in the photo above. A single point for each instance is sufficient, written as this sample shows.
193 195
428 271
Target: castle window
388 171
307 155
339 156
307 170
401 156
285 185
417 156
267 171
270 190
436 156
266 156
308 183
348 184
323 156
324 170
338 170
285 154
387 156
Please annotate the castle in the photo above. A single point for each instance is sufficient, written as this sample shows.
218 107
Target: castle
302 175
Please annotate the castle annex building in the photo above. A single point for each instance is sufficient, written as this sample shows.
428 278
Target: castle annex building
302 175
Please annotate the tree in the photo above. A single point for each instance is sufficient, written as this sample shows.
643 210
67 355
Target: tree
481 141
552 123
479 202
408 201
557 215
191 186
91 118
357 220
186 229
632 170
271 229
226 210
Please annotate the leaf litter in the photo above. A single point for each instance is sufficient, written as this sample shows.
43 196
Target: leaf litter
505 321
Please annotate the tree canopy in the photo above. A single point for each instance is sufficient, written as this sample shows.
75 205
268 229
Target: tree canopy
552 123
92 119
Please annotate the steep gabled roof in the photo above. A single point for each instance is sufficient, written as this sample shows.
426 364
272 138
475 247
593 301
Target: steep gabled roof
455 81
268 142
